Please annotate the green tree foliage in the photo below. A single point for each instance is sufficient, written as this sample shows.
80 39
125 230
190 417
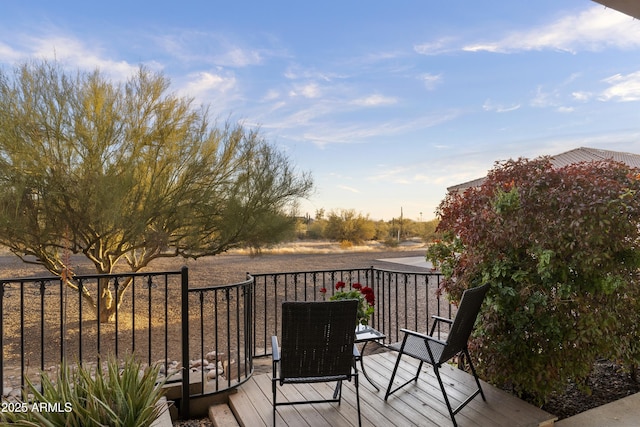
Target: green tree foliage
560 248
427 230
346 225
130 172
382 230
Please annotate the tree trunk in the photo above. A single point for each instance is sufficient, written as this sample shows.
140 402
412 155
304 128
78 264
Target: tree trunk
105 304
107 311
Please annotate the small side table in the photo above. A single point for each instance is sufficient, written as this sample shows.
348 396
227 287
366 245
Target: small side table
366 334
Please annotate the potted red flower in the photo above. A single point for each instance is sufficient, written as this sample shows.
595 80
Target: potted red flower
362 293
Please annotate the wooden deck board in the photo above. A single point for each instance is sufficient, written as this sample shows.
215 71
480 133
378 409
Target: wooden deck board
418 404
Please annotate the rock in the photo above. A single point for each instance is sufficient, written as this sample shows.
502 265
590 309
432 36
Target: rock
198 363
212 374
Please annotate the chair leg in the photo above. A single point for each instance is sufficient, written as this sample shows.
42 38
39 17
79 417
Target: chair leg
393 375
337 392
473 371
357 385
273 387
436 370
418 371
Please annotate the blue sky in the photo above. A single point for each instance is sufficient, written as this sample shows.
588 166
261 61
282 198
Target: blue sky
386 103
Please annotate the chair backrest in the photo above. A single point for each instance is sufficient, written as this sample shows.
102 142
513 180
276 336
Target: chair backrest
317 339
465 319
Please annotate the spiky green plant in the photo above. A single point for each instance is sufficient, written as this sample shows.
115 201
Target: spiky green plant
120 396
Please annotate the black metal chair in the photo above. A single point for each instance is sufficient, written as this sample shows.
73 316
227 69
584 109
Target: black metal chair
435 352
317 346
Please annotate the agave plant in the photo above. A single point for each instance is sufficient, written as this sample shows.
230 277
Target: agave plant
124 395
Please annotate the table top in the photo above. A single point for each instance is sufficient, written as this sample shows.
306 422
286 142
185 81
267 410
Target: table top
366 333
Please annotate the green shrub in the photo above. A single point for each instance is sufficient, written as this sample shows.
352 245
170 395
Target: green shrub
120 396
560 249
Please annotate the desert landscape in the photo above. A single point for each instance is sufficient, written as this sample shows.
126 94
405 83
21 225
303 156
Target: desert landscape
608 381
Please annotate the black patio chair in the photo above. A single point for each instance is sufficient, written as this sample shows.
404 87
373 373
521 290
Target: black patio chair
435 352
317 346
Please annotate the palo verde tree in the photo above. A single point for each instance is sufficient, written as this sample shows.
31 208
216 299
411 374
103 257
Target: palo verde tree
561 250
125 173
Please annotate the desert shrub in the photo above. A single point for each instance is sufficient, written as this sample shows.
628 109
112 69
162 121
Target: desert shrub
346 244
346 224
560 249
390 242
120 396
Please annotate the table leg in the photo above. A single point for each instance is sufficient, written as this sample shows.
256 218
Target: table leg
364 371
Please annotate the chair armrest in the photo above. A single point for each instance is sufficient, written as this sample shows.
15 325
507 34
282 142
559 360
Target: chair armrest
414 333
442 319
275 352
423 336
439 319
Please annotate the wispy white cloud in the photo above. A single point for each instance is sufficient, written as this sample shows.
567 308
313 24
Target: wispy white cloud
298 72
239 57
204 82
308 90
489 105
394 175
349 189
544 98
593 29
582 96
209 48
375 100
435 47
70 51
550 99
623 87
271 95
325 133
9 54
565 109
431 81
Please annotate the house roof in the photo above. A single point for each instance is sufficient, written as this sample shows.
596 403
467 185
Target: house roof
629 7
582 154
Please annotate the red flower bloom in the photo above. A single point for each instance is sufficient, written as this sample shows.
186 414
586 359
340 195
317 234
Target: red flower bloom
340 285
368 295
323 290
356 286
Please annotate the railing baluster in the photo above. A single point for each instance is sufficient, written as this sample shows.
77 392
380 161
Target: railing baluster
21 334
133 317
216 328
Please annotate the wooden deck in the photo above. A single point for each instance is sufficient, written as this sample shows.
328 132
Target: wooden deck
415 405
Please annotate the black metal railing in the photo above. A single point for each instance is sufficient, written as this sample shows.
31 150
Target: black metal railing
220 319
162 321
43 321
402 299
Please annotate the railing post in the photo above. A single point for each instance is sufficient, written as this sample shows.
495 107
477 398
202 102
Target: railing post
248 312
184 405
